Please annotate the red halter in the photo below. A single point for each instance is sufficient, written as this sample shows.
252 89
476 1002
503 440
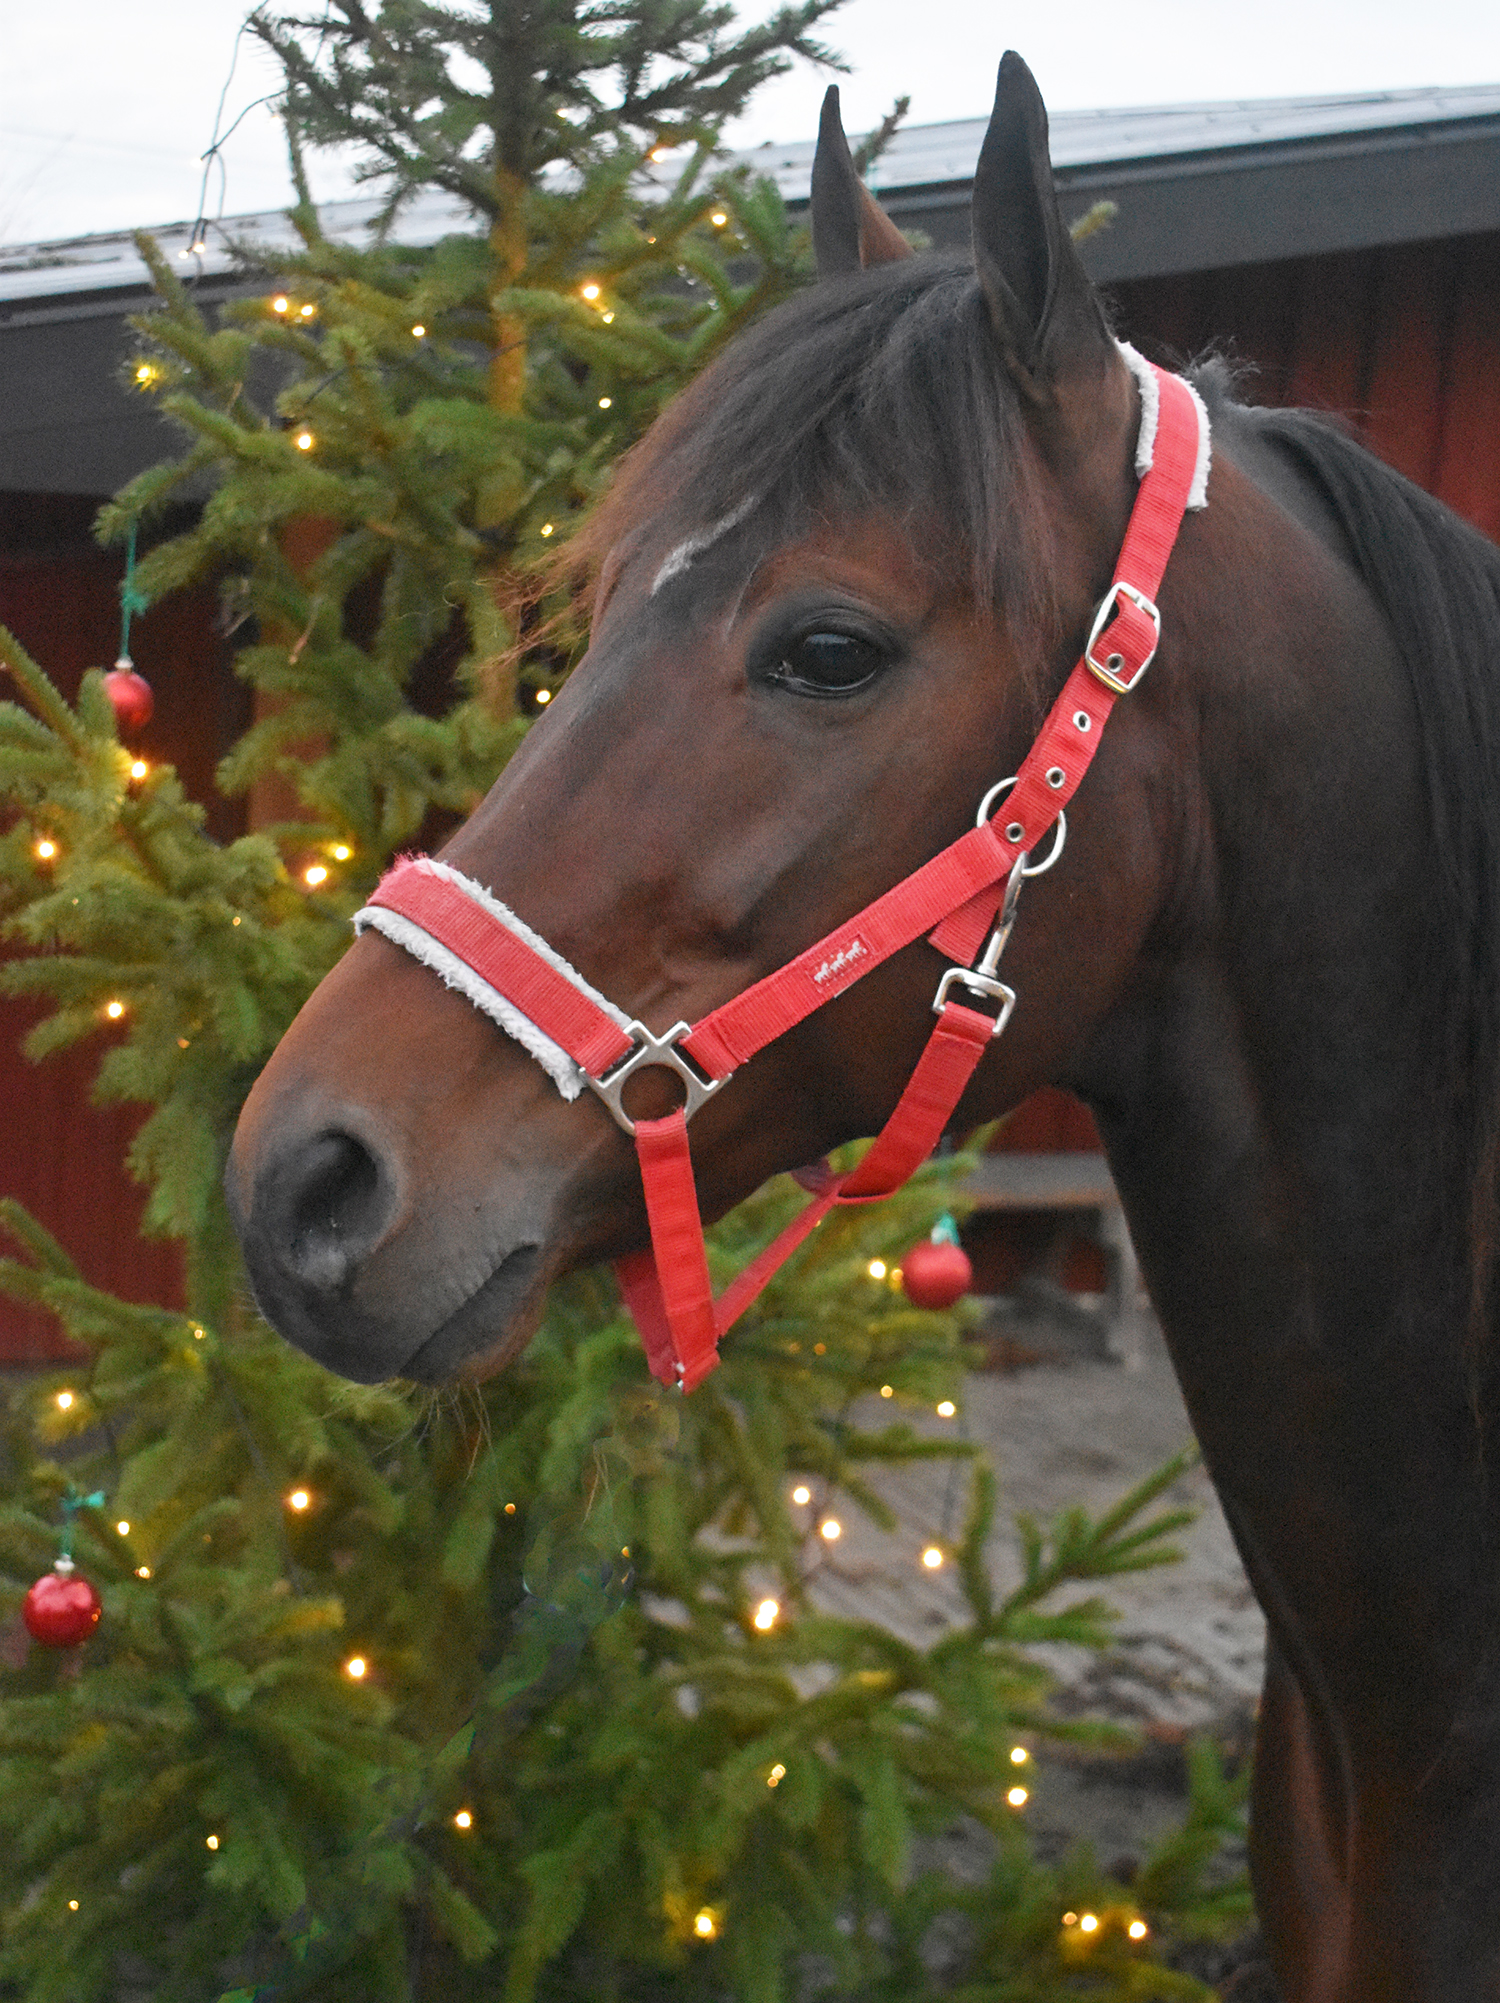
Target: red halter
964 893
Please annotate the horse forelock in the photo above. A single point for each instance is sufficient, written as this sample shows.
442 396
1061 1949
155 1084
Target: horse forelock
882 393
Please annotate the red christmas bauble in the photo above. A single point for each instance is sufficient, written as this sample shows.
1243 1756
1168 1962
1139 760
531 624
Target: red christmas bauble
936 1275
61 1610
131 695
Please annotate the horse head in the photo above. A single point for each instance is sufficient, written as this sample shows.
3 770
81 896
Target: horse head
835 582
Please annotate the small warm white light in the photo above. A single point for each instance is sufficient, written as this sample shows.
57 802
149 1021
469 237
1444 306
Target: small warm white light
932 1558
1019 1756
212 1842
138 768
123 1527
543 697
1138 1929
304 441
947 1409
1017 1797
765 1614
356 1667
314 874
418 332
306 312
146 372
705 1925
341 851
887 1390
298 1499
464 1819
65 1401
718 219
657 153
831 1529
608 319
877 1269
1070 1919
114 1010
280 303
1088 1923
143 1571
547 528
590 291
199 1334
605 402
45 849
777 1774
802 1493
72 1905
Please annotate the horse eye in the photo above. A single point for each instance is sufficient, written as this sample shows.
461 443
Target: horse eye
828 664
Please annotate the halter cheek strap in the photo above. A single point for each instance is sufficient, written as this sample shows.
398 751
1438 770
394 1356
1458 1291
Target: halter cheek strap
963 900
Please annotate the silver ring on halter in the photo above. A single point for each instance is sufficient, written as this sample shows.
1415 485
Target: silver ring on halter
998 792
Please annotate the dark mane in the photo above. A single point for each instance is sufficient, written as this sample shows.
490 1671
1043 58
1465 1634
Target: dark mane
1437 582
884 390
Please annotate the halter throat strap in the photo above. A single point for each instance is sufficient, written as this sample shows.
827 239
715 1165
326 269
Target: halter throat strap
960 899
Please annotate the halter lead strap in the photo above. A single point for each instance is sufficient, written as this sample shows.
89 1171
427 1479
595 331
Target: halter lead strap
477 944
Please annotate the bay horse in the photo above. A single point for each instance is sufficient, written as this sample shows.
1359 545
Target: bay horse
838 585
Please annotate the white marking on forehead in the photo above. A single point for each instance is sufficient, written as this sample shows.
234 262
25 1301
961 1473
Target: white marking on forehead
677 560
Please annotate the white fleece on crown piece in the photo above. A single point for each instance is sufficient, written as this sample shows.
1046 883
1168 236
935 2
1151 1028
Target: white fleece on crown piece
1145 444
564 1071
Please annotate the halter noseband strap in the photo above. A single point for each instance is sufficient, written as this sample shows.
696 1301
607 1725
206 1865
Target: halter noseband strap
963 897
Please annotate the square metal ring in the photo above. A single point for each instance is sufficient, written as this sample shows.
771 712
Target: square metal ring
651 1049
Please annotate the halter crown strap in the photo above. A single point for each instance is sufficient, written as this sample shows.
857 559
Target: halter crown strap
477 944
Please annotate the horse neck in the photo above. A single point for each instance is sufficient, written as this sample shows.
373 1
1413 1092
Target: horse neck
1276 1097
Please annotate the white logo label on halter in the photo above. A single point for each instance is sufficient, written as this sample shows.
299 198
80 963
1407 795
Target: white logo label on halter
844 957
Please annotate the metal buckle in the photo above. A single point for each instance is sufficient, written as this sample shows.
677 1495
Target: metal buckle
977 984
651 1049
1105 672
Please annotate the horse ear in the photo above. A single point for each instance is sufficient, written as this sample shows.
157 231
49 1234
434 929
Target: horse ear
1042 306
849 227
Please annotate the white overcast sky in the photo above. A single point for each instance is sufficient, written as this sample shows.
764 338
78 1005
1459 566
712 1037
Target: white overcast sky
105 109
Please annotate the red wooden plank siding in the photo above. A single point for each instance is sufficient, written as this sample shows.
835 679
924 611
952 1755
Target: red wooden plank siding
62 1156
1404 342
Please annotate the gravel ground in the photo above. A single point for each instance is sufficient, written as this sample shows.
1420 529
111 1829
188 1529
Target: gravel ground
1190 1644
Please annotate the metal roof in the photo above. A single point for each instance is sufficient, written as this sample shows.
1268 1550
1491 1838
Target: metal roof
930 155
1086 145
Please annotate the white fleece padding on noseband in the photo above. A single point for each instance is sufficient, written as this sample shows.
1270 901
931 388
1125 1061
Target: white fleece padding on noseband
1145 444
566 1074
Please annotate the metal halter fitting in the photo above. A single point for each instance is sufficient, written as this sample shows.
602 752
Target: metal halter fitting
659 1050
963 901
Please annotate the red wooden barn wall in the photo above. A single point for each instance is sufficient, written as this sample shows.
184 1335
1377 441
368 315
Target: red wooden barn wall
60 1155
1404 341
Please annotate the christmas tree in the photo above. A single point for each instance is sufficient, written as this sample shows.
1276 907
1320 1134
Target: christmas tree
526 1693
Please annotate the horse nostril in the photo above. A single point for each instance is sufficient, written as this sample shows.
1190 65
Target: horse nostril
336 1210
